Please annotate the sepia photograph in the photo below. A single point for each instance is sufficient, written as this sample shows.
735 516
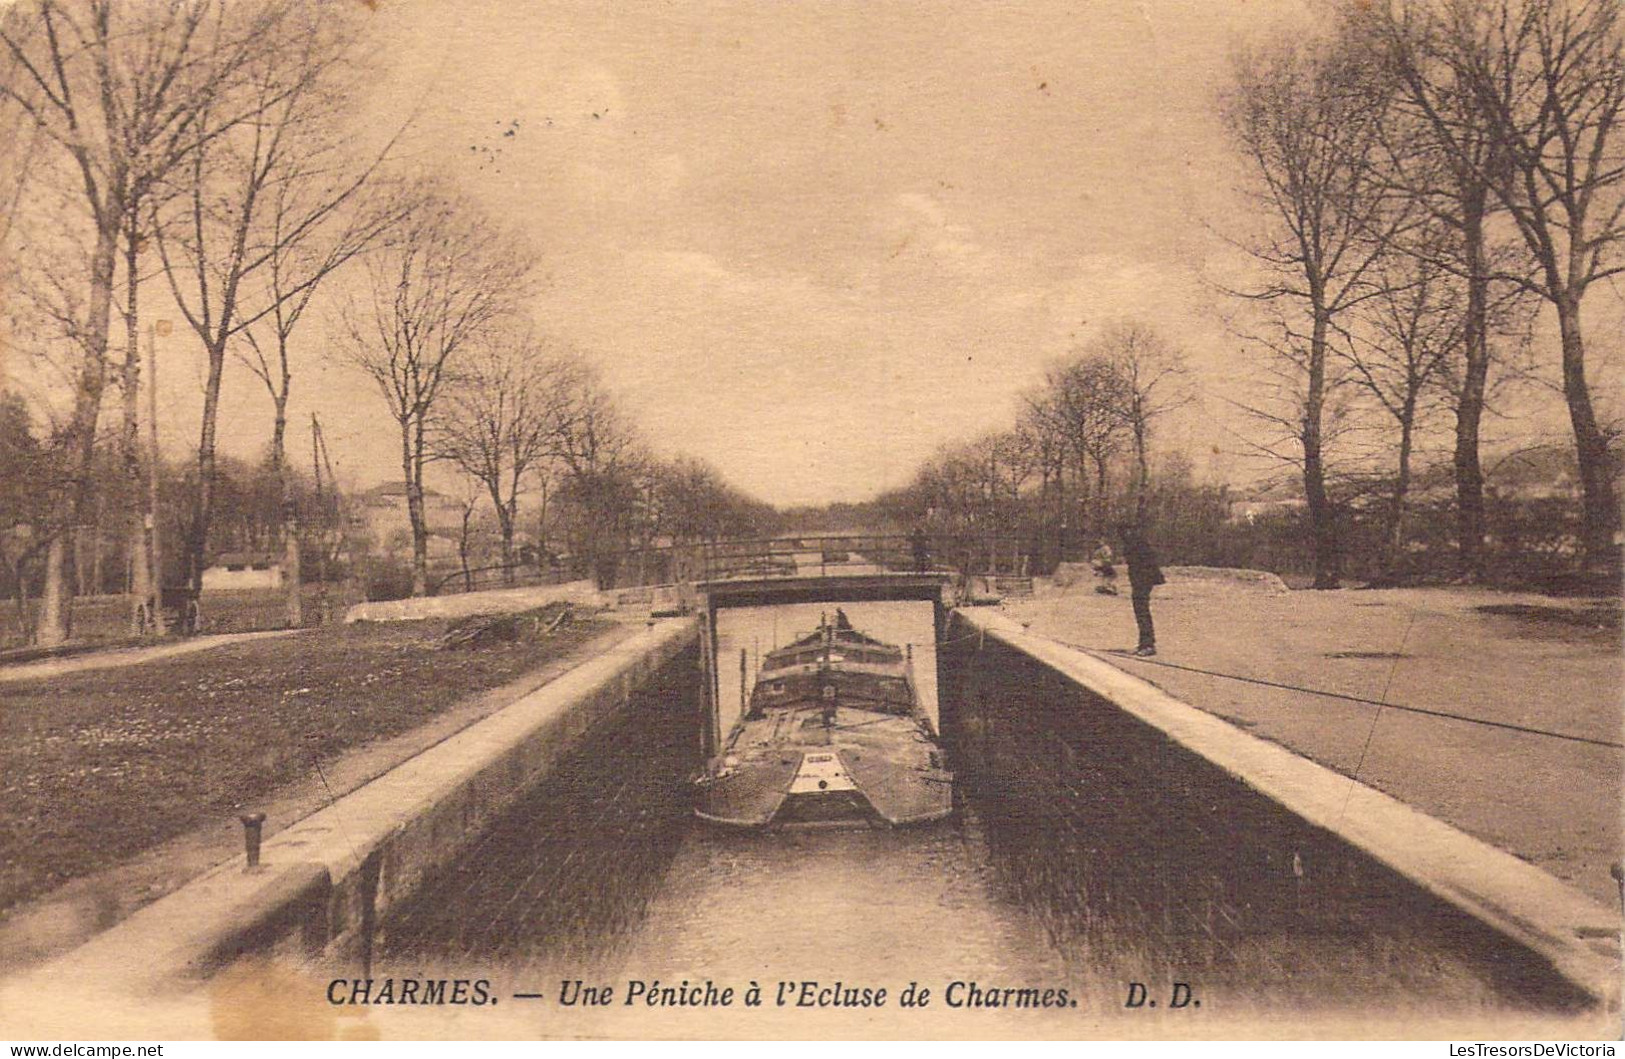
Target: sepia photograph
829 520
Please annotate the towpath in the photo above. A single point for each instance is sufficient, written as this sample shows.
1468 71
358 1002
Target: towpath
1539 775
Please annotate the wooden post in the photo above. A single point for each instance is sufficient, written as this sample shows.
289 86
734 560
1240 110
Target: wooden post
155 565
709 740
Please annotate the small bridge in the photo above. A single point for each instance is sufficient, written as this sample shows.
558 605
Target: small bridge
836 586
966 555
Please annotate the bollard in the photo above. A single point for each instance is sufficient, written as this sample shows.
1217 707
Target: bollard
252 823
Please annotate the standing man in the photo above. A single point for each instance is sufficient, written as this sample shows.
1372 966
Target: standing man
920 546
1143 575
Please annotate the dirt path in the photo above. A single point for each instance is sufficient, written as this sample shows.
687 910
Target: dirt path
130 656
1529 661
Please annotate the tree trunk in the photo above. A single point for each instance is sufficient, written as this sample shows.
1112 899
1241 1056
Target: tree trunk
1142 484
22 595
52 594
292 579
56 609
505 523
462 552
1080 518
142 601
1470 518
412 464
1600 512
81 569
542 551
1402 485
1101 500
203 507
97 583
1328 565
203 494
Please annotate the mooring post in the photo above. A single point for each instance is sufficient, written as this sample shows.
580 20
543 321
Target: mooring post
716 684
707 704
252 825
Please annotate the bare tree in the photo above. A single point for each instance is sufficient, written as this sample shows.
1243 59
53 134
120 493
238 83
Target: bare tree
1081 403
1009 459
120 89
1408 333
1546 81
506 414
1445 160
1151 383
1308 118
602 459
1048 453
447 282
467 498
307 240
259 221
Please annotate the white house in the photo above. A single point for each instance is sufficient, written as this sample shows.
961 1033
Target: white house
232 571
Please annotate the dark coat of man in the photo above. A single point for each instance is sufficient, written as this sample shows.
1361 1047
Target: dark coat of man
920 546
1143 575
1143 572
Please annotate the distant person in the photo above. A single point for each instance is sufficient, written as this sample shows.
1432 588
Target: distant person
1143 575
1104 563
921 549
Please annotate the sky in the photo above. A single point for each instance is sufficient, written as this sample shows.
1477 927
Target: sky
812 242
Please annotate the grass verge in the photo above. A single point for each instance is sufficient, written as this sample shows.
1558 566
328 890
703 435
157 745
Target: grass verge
98 766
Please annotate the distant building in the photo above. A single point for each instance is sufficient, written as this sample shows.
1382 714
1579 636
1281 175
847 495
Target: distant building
233 571
384 510
1536 473
1254 510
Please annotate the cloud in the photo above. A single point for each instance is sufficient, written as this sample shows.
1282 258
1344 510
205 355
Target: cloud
919 226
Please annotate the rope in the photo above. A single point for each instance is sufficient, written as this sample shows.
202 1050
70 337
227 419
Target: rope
332 799
1375 717
1588 740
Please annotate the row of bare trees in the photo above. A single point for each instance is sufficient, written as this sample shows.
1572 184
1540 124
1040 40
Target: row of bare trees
1079 457
532 428
206 141
203 160
470 384
1433 179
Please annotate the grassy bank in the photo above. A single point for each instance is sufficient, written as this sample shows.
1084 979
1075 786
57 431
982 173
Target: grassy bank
98 766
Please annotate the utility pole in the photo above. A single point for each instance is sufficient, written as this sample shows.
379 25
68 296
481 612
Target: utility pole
321 513
154 554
